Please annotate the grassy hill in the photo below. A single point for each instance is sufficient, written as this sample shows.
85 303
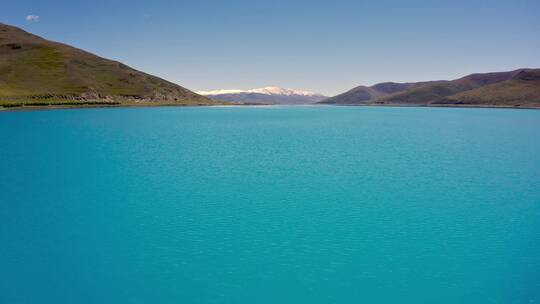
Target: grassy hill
515 88
37 71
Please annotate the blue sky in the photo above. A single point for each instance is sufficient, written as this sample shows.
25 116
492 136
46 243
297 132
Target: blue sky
324 46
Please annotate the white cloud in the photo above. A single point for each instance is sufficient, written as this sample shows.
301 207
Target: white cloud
32 18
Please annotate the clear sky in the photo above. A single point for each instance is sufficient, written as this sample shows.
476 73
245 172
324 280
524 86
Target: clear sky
323 46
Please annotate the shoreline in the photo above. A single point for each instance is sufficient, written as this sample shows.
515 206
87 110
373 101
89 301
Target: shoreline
465 106
30 108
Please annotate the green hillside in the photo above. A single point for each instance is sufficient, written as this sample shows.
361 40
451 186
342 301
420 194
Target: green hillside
37 71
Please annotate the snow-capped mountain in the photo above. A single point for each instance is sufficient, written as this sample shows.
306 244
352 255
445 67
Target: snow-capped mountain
266 95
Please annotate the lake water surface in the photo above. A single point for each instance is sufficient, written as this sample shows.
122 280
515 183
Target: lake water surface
270 205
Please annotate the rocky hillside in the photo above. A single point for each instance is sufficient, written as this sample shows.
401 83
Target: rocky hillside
35 70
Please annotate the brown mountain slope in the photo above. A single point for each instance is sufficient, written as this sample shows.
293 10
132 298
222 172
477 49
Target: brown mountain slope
523 89
363 94
33 69
360 94
431 93
515 88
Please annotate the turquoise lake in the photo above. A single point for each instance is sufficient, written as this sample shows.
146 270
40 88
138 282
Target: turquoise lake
270 205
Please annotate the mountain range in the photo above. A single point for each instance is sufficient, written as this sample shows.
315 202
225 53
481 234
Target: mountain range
515 88
266 95
34 70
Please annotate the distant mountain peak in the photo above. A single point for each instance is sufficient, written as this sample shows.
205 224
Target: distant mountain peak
270 90
265 95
